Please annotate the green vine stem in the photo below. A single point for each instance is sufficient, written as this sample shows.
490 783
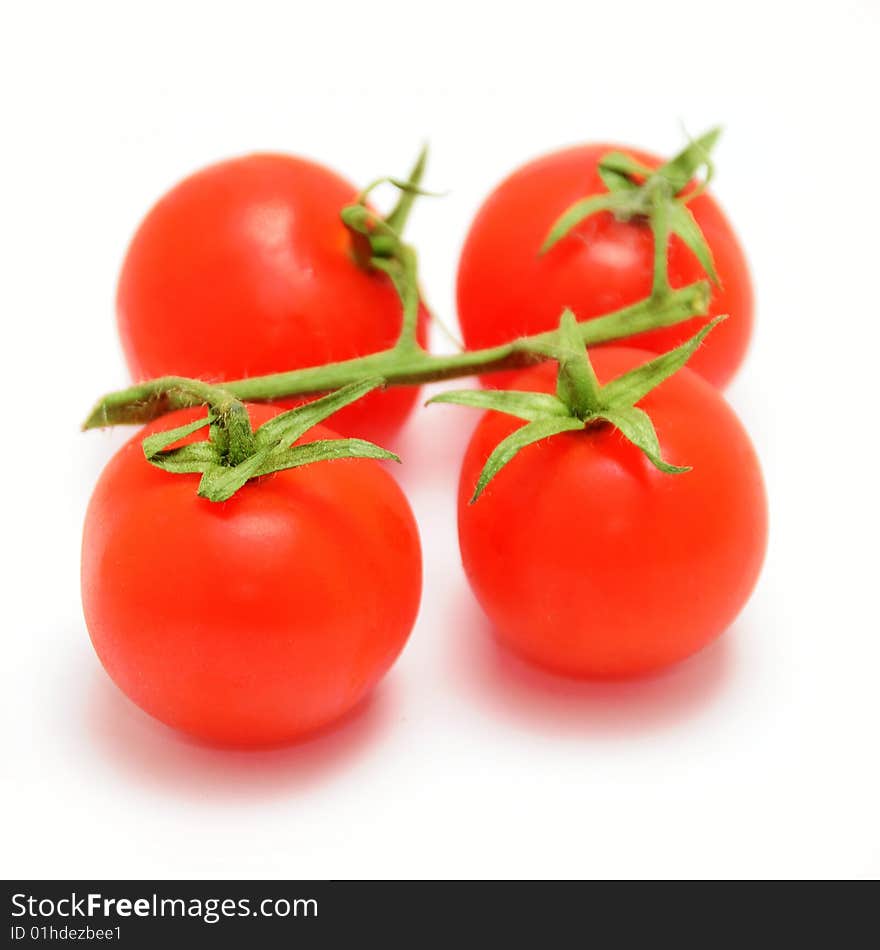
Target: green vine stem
401 366
633 190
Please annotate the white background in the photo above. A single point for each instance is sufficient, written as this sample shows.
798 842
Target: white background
758 757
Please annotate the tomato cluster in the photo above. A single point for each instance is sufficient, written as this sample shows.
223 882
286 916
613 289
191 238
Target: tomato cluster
259 619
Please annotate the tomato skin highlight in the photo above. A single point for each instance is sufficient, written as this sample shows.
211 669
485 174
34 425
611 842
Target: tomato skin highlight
244 269
506 289
258 620
589 561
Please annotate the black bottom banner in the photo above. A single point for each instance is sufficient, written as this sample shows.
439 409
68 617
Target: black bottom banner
307 914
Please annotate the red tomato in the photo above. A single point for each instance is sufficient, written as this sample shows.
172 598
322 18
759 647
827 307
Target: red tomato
592 563
244 269
506 289
254 621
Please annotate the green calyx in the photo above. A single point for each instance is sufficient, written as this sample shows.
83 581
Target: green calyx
580 401
377 243
257 452
655 195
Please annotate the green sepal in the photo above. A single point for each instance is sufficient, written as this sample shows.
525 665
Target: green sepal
684 224
678 171
613 201
523 405
198 457
219 483
629 388
518 440
615 181
636 426
617 169
324 450
288 426
409 190
153 445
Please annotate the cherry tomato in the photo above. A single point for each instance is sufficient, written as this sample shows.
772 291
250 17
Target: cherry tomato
592 563
507 289
245 269
257 620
